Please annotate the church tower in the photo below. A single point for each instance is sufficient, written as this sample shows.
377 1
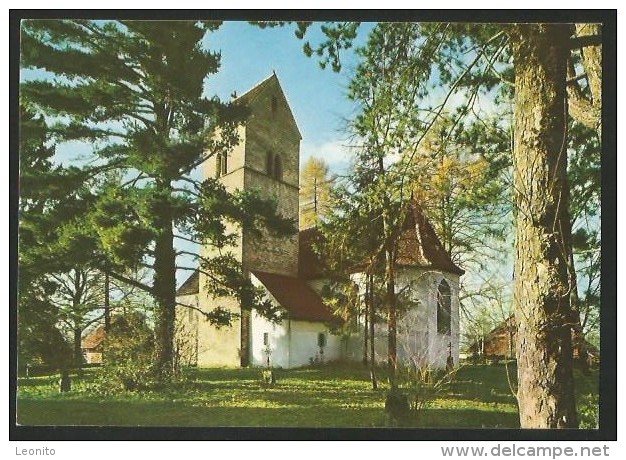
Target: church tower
266 160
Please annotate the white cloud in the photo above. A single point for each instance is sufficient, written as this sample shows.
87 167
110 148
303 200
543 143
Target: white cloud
336 153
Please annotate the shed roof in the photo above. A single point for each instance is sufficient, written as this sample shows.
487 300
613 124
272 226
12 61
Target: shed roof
94 338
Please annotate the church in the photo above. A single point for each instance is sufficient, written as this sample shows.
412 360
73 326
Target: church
267 159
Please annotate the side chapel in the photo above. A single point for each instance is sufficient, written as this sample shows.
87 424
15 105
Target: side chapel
267 159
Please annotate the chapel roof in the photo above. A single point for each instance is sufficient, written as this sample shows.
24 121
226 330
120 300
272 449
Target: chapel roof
420 246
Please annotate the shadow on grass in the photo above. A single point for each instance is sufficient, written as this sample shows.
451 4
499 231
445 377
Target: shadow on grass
144 413
479 397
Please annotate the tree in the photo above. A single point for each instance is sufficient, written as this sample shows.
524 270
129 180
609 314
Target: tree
541 194
471 56
315 184
47 199
78 296
133 89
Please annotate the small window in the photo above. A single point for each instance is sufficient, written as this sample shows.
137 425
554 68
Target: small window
221 164
266 338
444 310
278 168
269 164
218 165
321 340
224 164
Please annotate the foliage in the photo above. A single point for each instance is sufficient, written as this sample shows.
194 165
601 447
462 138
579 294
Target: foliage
47 200
127 355
315 186
589 412
133 91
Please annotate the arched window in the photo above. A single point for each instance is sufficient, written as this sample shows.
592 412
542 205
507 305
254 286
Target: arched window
444 310
278 168
269 164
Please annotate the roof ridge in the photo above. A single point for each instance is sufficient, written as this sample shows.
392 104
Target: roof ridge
254 87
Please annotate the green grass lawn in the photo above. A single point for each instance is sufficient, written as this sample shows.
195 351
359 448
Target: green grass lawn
333 396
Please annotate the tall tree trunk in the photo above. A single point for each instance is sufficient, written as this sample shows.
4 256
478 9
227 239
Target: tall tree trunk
164 291
390 295
368 288
541 293
372 313
78 351
107 302
76 306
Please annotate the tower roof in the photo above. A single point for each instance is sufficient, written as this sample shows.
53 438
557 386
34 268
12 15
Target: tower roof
253 93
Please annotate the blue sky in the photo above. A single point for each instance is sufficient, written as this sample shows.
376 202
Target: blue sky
317 97
250 54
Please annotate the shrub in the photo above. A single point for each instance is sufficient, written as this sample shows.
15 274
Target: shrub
424 385
588 412
127 355
267 377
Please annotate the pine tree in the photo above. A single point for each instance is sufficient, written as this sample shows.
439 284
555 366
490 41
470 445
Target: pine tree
530 60
133 89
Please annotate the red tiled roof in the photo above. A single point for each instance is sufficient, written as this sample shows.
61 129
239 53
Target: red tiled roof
297 297
191 285
93 339
419 245
309 264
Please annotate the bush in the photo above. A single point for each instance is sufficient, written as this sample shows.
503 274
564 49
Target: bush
588 412
127 356
422 385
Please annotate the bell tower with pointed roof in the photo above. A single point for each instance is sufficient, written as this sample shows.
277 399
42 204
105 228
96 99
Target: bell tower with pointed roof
267 160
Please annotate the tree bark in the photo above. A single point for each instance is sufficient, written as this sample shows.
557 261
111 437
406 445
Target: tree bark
368 288
78 351
392 320
541 193
587 110
372 313
164 290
